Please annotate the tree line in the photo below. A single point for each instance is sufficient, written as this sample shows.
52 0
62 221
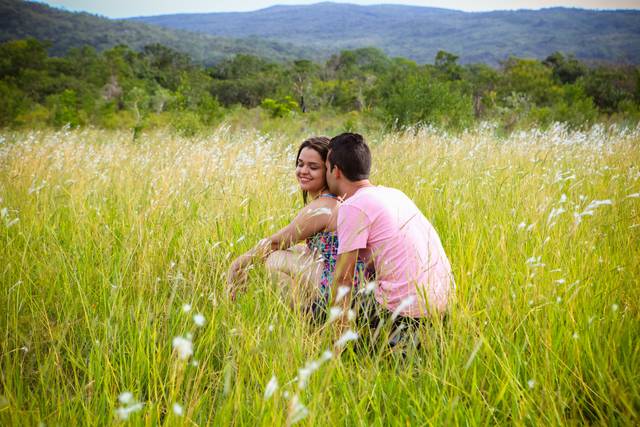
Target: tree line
158 86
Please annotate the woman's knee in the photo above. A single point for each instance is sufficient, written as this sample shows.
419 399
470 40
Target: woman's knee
275 262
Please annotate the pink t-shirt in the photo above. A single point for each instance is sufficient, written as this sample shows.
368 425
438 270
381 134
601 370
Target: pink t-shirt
412 270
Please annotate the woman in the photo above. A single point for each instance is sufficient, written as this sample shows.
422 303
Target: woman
306 272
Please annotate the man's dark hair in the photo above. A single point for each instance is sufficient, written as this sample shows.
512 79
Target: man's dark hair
351 154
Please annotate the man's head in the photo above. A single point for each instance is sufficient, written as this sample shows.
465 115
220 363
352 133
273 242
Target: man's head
349 159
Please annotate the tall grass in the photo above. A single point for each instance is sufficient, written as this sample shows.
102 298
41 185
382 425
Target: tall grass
110 247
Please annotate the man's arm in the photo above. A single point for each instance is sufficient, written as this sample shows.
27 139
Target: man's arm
343 278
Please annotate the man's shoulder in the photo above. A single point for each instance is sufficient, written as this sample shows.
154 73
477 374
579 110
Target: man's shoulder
375 201
374 194
369 200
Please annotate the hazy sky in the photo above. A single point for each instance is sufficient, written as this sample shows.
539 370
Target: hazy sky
127 8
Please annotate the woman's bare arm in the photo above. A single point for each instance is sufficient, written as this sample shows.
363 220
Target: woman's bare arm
313 218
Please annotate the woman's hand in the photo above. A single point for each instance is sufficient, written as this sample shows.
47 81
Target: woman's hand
237 275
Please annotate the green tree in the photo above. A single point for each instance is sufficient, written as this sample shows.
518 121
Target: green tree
418 98
13 103
447 65
611 85
166 65
566 70
247 80
18 55
65 109
530 77
484 82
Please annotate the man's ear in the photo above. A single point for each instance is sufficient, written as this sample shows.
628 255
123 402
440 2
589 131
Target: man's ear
337 173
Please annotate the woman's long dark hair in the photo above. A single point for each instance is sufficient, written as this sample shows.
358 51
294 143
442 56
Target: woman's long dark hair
320 144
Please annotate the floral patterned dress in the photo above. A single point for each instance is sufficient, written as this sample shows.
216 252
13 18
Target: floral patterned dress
325 245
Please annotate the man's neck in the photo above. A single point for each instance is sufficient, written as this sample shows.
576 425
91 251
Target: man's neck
352 187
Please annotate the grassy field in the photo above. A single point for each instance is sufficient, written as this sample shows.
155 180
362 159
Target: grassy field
113 256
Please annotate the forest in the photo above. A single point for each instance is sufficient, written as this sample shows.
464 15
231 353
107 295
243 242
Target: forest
121 88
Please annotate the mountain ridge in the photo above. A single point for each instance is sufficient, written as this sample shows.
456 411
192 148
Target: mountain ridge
285 32
66 30
419 32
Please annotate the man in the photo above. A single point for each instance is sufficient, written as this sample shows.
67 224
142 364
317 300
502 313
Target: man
384 227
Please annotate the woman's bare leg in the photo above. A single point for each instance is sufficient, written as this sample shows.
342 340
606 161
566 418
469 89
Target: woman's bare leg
298 272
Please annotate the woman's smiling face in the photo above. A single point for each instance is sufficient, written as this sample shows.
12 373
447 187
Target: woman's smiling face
310 171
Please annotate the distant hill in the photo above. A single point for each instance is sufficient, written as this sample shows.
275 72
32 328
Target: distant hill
419 32
21 19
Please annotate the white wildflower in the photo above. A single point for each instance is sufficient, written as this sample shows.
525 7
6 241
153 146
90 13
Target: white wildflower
334 313
370 287
633 196
186 308
310 368
405 303
129 405
577 218
303 376
125 397
177 409
183 346
327 355
531 384
554 213
614 307
199 319
124 412
297 411
349 335
522 225
271 388
342 291
598 203
589 210
535 261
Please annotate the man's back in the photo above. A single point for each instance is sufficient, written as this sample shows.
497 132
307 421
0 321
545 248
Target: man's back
410 262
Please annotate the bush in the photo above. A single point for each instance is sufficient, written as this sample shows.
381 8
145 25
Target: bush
64 107
418 99
187 123
280 108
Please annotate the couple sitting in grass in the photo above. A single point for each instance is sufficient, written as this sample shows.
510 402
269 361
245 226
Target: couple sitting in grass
367 247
